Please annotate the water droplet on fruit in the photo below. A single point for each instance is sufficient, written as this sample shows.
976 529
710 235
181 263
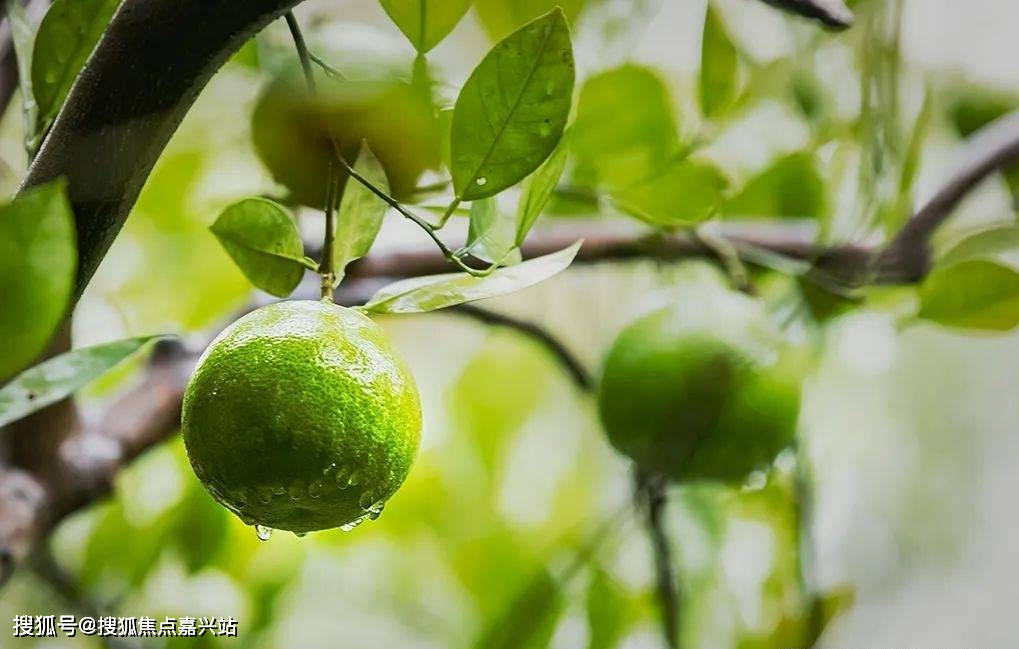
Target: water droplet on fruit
366 501
342 477
278 491
300 535
354 479
354 523
482 181
296 491
315 489
263 532
264 495
756 481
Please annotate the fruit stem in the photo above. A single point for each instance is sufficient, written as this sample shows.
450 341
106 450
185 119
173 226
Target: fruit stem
651 497
326 268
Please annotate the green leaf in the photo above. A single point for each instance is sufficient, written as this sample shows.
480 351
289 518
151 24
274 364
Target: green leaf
829 606
540 604
537 192
23 38
975 106
719 66
264 242
972 294
426 22
38 260
625 128
684 194
501 17
608 609
911 164
992 243
491 234
791 187
361 212
513 109
422 294
61 376
66 38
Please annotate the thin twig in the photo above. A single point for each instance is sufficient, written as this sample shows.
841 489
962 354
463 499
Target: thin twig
831 13
651 497
576 370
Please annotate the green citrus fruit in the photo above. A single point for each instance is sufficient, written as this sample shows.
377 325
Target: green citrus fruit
300 416
693 399
292 130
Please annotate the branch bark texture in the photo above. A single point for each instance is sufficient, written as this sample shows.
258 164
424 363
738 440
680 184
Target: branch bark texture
145 74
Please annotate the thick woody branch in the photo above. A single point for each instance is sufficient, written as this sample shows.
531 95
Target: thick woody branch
152 62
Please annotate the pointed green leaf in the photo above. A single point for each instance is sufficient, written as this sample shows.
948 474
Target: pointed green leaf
790 187
361 212
264 242
992 243
23 38
537 192
972 294
62 376
426 22
422 294
491 234
626 128
38 260
719 66
66 38
684 194
540 603
512 111
609 611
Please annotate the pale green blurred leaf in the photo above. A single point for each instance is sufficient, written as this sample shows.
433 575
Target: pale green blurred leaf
439 291
625 128
790 187
973 294
426 22
361 212
501 17
990 243
609 612
66 38
529 620
511 113
61 376
38 259
686 193
911 164
263 241
491 233
23 39
719 66
538 190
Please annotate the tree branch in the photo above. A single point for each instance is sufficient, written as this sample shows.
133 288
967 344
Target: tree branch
908 257
146 72
830 13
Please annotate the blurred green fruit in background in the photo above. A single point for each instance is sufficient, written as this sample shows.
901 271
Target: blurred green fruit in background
693 399
292 130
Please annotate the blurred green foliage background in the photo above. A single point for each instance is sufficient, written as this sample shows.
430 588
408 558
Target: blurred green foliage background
515 528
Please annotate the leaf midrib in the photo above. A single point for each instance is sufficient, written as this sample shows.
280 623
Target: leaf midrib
516 105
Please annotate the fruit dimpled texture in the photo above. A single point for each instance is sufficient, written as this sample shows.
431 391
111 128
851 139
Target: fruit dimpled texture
301 416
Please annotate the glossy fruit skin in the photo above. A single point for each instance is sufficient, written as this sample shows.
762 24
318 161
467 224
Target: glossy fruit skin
693 403
291 130
300 416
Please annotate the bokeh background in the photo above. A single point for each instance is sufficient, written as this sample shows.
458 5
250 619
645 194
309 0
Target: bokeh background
515 528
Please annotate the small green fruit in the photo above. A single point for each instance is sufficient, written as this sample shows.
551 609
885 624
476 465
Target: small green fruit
302 417
693 401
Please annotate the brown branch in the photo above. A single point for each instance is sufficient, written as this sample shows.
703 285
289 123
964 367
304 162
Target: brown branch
908 257
830 13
